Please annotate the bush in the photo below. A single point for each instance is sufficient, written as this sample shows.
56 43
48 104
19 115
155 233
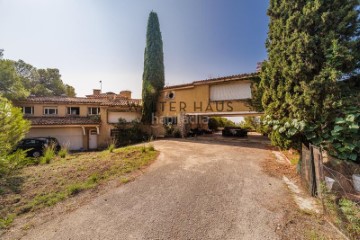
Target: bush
12 129
129 133
49 154
219 122
251 124
177 133
169 129
151 148
111 147
63 152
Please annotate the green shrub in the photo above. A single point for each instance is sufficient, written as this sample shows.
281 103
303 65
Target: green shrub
219 122
251 123
63 152
169 129
129 133
151 148
177 133
13 128
48 154
75 189
351 212
5 222
111 147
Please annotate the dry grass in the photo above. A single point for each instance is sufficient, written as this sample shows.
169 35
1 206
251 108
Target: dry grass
36 187
297 224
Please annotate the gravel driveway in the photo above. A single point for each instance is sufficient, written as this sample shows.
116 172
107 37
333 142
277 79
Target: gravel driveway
195 190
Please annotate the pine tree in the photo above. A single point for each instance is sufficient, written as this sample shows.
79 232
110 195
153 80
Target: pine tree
153 76
312 45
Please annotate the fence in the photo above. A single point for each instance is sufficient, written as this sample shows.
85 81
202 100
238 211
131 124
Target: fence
312 169
316 165
341 202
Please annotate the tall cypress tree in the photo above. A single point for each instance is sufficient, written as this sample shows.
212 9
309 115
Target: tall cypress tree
153 76
312 45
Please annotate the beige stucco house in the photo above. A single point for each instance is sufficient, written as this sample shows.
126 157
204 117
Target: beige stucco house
79 122
189 105
88 122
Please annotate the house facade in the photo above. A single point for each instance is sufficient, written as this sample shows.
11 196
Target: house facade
89 122
79 123
190 105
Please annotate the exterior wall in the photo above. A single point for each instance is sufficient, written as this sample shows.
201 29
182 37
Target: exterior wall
196 99
62 109
60 132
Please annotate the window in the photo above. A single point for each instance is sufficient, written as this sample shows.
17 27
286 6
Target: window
93 111
230 91
50 111
73 110
170 120
28 110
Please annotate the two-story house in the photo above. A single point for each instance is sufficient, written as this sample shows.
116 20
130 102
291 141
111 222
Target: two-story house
79 122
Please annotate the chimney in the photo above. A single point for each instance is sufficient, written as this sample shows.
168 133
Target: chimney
125 94
96 91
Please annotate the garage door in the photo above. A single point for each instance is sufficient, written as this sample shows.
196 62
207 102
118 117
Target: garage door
71 137
113 117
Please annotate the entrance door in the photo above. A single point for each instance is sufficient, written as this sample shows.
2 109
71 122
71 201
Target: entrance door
93 139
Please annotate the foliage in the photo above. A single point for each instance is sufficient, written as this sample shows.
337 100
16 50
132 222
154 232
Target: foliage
219 122
340 137
256 93
12 129
343 212
70 91
169 129
153 76
129 133
312 45
11 85
63 152
6 221
151 147
19 79
351 212
177 133
48 154
111 147
251 123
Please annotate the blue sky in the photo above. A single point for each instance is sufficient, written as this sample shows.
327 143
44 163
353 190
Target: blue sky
92 40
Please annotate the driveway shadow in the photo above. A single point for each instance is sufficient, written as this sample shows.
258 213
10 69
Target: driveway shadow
252 141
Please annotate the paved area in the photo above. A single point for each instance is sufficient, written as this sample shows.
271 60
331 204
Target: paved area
195 190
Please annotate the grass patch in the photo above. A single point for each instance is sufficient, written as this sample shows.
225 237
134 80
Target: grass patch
111 147
314 235
292 155
125 179
39 186
48 155
63 152
6 221
343 212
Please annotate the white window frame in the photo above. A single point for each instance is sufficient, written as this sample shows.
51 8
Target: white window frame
69 111
90 111
31 112
46 110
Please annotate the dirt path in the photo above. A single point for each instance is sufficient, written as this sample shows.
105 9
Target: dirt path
194 190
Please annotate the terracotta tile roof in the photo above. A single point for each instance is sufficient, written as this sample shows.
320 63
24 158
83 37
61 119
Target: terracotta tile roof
54 120
227 78
83 100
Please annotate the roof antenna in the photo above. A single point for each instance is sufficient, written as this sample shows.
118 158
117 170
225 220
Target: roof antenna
100 86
